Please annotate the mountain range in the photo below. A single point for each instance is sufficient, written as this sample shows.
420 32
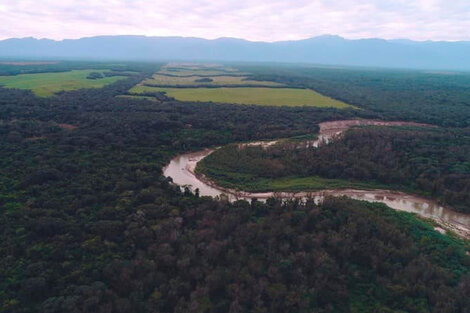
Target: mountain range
328 50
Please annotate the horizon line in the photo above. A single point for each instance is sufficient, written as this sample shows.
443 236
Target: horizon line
236 38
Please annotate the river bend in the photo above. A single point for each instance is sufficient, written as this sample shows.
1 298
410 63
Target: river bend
182 171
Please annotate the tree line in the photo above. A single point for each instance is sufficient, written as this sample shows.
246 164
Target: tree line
433 161
89 224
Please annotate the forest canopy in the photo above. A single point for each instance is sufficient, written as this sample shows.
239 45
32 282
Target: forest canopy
89 224
431 161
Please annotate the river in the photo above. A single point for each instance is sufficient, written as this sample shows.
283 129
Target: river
182 171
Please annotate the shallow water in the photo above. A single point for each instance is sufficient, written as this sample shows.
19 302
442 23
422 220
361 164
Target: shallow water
182 170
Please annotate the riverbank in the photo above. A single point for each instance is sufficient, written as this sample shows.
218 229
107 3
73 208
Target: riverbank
182 169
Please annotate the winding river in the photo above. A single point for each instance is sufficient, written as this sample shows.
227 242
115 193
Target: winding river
182 171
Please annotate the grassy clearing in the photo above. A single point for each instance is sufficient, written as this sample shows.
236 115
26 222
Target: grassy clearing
252 183
139 89
216 80
318 183
46 84
257 96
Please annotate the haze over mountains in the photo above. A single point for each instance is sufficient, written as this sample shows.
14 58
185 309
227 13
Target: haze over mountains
328 50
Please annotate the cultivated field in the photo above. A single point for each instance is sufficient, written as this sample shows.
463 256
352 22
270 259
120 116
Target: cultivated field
158 79
204 72
198 69
249 95
187 81
46 84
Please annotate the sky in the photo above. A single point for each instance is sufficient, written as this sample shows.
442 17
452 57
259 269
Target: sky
256 20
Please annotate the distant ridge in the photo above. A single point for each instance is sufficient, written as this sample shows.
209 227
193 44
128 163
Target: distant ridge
327 49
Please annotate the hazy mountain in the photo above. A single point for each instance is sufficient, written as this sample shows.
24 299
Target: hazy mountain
333 50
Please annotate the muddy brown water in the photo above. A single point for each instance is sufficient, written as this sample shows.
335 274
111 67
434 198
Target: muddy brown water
182 171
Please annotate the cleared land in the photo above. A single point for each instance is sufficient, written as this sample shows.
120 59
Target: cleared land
197 66
201 72
216 80
46 84
220 79
258 96
197 69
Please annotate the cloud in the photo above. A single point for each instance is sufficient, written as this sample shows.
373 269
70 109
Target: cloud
267 20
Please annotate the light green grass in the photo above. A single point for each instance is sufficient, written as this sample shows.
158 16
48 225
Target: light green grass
252 183
216 80
258 96
139 89
46 84
317 183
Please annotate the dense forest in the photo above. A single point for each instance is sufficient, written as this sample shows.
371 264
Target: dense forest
89 224
433 161
439 98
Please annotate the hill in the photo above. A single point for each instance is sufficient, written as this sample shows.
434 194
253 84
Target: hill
328 50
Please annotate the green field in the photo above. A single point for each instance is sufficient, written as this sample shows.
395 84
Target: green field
185 72
178 66
198 69
257 95
46 84
158 79
318 183
221 93
252 183
195 69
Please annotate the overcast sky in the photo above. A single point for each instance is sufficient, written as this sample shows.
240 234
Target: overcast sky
265 20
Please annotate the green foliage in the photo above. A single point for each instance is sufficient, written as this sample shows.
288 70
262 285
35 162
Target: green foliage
90 225
432 161
434 98
204 80
95 75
